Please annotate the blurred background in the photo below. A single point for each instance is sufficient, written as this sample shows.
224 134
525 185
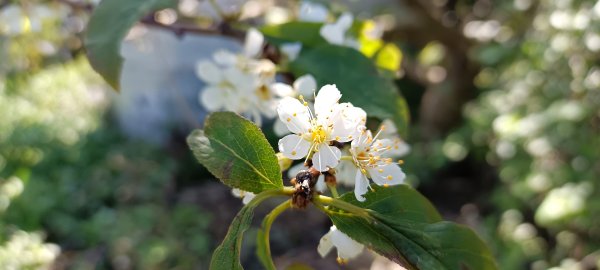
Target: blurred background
505 134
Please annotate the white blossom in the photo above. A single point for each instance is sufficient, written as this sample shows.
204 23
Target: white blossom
337 32
314 133
240 82
346 247
368 154
246 196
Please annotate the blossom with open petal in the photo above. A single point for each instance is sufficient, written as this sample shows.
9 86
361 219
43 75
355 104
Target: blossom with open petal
314 133
336 33
368 154
346 247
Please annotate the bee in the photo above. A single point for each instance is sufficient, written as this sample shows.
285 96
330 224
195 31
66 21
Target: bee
304 183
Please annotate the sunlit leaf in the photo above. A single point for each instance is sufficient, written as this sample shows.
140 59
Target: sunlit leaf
106 29
236 151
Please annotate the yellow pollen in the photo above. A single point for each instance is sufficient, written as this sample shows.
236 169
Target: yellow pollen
386 185
289 119
337 138
380 170
389 178
350 137
263 92
293 153
400 161
318 135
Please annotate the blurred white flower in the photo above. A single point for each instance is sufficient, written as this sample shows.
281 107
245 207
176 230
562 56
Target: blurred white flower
346 247
312 12
240 82
314 133
246 196
291 50
368 155
336 33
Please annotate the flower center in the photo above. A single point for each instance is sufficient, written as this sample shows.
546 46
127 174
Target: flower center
318 134
263 92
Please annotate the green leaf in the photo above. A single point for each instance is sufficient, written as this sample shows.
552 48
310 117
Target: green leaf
227 254
357 78
406 228
236 151
107 27
305 32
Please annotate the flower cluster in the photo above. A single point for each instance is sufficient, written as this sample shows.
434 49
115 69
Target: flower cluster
317 135
242 83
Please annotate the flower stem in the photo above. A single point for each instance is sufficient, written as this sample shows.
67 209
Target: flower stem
285 191
348 207
334 191
266 227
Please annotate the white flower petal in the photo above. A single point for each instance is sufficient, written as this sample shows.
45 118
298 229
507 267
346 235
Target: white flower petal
327 97
295 169
399 148
327 157
248 196
237 192
254 43
293 146
361 186
209 72
390 129
280 128
312 12
294 115
321 186
225 58
345 172
345 21
333 33
306 85
362 142
212 98
291 50
388 174
282 89
244 83
346 247
347 122
325 244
